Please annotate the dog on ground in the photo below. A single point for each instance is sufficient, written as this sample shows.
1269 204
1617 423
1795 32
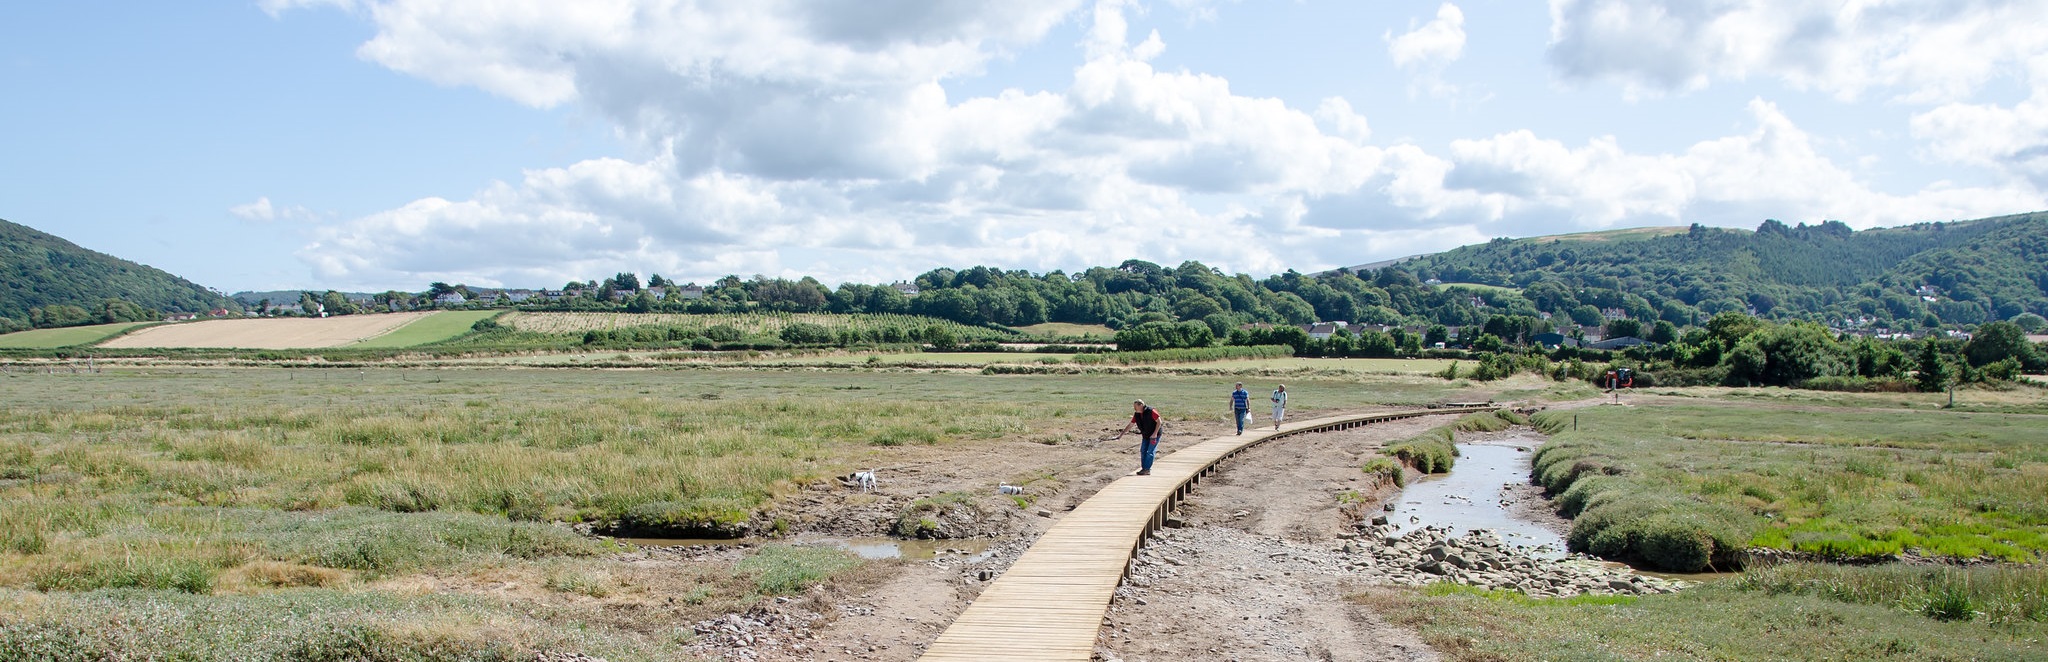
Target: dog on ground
865 480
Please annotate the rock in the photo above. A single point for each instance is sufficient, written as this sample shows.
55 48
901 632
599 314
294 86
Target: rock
1437 552
1379 520
1044 513
1176 523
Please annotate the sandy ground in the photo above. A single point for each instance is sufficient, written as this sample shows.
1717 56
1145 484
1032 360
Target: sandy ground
268 333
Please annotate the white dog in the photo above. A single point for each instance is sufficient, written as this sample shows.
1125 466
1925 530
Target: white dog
865 479
1007 488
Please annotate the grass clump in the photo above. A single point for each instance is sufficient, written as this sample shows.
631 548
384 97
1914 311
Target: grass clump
1386 471
921 518
1431 452
788 569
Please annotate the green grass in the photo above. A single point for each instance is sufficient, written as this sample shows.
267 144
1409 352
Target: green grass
2001 595
438 327
1065 330
1683 485
1717 621
66 337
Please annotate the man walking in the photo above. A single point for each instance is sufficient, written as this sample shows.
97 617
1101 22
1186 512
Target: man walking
1146 419
1240 407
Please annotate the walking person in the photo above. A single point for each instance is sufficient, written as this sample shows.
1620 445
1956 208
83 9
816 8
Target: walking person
1279 405
1146 419
1240 407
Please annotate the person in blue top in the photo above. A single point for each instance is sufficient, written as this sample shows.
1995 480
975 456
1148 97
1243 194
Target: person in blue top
1240 406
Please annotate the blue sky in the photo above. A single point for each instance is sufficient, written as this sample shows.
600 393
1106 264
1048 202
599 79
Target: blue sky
373 144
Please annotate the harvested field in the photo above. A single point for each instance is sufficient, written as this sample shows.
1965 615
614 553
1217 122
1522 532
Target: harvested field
278 333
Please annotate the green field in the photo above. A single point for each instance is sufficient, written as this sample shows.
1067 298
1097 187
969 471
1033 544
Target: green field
65 337
444 325
1065 330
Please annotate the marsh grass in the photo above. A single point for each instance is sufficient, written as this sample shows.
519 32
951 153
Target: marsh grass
1843 484
293 624
1716 621
2001 595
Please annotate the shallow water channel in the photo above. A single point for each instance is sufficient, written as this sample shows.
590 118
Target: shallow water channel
1476 495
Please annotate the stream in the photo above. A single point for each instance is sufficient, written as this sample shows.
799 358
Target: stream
1472 497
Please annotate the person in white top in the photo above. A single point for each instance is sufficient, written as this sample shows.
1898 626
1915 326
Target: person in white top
1279 405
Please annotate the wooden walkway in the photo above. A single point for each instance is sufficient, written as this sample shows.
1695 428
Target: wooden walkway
1049 604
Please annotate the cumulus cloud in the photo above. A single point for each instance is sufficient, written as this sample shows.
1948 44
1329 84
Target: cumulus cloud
2012 139
1914 50
805 138
262 211
1433 44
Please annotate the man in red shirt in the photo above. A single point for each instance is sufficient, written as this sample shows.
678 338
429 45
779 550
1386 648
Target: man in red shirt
1146 419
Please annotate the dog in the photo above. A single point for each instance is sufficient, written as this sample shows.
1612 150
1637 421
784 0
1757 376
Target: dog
1009 489
865 480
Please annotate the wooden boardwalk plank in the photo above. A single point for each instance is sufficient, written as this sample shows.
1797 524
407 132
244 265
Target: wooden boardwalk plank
1048 605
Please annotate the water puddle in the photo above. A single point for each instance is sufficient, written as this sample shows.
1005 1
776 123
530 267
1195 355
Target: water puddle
866 548
1471 497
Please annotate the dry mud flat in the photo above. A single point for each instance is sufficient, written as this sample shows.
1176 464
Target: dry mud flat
266 333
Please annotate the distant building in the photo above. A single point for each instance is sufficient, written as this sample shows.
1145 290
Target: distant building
450 299
1553 340
1323 330
1613 314
659 293
688 292
181 317
1433 281
516 296
908 289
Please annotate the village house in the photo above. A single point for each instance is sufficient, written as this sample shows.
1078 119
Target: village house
908 289
516 296
1323 330
181 317
688 292
1613 314
450 299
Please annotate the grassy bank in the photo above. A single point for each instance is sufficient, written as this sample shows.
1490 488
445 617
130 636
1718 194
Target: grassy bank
1726 620
439 327
1690 486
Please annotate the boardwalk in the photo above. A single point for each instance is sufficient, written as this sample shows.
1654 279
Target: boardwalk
1049 604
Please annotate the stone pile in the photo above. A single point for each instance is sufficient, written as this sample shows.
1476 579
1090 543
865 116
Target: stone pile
1482 559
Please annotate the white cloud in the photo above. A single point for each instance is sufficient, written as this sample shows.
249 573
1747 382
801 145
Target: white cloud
263 211
1434 44
1918 50
805 138
2013 139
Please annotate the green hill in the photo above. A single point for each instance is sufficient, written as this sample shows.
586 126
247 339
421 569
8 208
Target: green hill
1980 270
38 269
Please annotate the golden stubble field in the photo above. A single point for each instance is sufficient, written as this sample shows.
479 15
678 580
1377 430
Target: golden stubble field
274 333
